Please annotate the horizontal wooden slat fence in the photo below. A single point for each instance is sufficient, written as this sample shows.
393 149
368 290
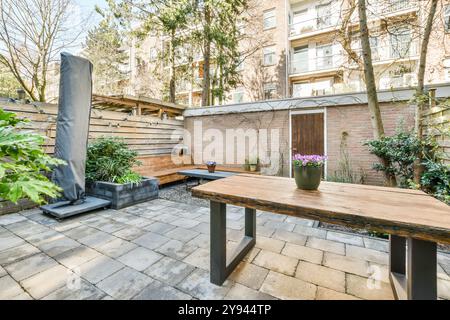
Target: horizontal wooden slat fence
147 135
436 123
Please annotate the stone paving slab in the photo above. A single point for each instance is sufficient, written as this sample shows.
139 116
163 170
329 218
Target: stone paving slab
157 290
99 268
116 248
241 292
30 266
151 240
160 250
140 258
169 270
44 283
9 288
276 262
124 284
288 288
197 285
17 253
80 290
250 275
176 249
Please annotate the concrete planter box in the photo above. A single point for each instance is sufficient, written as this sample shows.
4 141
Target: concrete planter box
124 195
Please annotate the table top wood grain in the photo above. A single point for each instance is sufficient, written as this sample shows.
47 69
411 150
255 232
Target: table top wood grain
403 212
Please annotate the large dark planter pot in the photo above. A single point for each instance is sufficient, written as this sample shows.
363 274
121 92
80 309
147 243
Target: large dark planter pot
211 169
307 177
124 195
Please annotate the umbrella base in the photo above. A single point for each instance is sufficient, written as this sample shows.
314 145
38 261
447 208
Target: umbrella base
64 209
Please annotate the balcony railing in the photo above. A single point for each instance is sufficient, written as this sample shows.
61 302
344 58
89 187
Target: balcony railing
394 51
396 81
185 86
387 8
299 66
311 25
333 20
393 6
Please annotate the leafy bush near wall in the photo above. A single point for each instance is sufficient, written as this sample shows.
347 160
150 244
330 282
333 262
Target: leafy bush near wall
401 150
23 162
109 159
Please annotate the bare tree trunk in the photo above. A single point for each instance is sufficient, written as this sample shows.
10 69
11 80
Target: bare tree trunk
172 68
372 98
206 58
418 168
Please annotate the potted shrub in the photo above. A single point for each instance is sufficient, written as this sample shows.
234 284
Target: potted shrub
211 165
109 174
308 170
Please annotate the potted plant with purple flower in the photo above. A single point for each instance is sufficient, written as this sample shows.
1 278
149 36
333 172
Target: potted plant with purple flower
211 165
308 170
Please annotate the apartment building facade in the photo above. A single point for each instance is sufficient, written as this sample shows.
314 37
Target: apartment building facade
301 48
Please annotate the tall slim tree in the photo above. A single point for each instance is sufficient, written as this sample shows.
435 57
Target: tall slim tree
32 33
421 83
104 48
217 34
168 18
369 76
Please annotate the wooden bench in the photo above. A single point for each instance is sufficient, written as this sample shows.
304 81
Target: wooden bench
163 168
410 217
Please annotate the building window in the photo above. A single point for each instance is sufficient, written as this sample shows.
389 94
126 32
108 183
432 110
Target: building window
447 69
269 55
323 15
400 41
240 66
447 19
153 54
270 90
269 19
238 96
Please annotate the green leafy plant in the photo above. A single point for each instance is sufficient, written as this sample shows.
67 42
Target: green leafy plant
436 179
109 159
401 150
23 162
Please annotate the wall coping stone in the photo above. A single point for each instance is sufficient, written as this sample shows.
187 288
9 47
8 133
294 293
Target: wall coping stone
347 99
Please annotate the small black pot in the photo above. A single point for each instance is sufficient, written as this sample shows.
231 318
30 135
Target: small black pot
307 177
211 169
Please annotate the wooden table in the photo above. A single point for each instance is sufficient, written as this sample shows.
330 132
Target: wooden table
410 217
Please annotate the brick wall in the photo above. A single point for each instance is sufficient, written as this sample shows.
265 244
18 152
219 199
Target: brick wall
251 120
352 121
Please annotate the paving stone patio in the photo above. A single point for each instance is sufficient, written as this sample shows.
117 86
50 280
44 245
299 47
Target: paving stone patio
160 250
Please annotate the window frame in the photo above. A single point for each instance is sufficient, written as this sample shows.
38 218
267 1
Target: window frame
273 16
447 18
274 52
241 92
271 88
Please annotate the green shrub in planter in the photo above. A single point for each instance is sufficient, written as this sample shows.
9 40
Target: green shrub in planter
109 159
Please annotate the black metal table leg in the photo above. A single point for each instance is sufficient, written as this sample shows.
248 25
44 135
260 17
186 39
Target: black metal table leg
397 266
412 264
421 273
219 268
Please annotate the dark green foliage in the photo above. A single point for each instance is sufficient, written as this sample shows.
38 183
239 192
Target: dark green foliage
436 180
23 162
110 160
401 150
